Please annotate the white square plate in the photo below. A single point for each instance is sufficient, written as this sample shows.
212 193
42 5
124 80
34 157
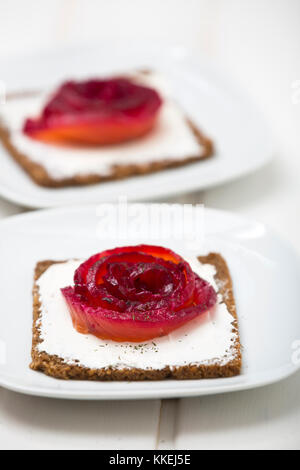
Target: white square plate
211 100
266 278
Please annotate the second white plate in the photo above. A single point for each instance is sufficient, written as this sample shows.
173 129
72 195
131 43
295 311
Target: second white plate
266 278
241 139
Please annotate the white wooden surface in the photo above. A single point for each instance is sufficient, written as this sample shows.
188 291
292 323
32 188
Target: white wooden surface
258 42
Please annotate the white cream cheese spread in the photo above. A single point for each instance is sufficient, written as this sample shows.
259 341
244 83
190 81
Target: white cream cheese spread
207 339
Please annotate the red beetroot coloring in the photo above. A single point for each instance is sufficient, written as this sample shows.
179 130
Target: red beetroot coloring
136 294
96 112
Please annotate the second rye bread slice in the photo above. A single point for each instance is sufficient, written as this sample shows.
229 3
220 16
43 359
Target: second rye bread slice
58 367
176 140
41 176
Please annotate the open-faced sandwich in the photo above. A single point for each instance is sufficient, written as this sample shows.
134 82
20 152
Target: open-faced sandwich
135 313
89 131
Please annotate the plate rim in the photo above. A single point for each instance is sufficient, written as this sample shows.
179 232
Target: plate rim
173 392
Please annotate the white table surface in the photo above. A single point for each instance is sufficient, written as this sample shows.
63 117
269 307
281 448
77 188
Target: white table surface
257 42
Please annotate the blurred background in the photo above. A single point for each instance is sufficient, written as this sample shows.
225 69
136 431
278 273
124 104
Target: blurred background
254 41
257 41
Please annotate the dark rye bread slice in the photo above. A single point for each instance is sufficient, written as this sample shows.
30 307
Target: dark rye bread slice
56 367
39 174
